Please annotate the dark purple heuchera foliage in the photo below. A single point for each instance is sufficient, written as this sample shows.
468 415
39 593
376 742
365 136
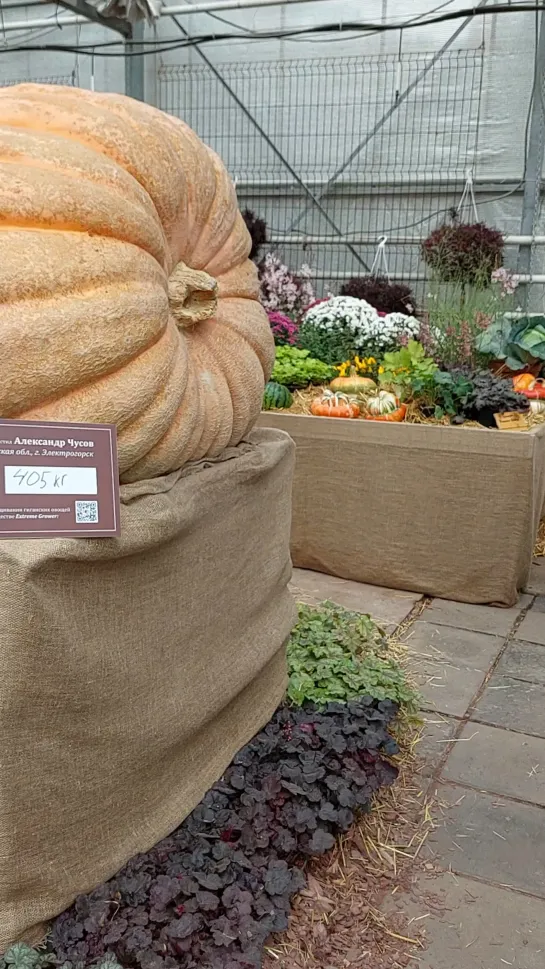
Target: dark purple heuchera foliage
210 894
379 292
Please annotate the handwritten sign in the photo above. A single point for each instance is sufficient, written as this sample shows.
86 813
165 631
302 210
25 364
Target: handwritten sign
511 421
58 480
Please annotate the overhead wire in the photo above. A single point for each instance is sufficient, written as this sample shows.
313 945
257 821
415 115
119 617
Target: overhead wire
153 47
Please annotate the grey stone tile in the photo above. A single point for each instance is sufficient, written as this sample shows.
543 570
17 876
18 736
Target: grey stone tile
449 664
498 761
481 619
432 746
470 925
532 627
386 606
513 704
525 661
536 579
491 838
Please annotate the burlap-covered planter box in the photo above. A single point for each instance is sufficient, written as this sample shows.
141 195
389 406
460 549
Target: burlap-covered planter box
449 512
133 669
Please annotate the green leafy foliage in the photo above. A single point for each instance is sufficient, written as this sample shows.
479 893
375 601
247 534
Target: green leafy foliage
451 394
296 368
408 371
22 956
332 345
468 393
518 342
335 655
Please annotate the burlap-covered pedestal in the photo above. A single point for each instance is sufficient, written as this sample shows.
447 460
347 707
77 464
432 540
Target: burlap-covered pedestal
450 512
132 670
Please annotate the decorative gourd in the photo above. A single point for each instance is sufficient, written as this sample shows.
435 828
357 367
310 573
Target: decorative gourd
382 403
537 406
276 395
535 392
394 416
334 405
523 382
126 294
353 384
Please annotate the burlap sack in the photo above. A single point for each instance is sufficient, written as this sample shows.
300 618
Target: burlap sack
132 670
449 512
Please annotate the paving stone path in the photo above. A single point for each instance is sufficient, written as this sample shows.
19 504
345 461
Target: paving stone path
481 672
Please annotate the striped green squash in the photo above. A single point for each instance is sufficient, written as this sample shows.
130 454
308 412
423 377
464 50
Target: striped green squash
276 395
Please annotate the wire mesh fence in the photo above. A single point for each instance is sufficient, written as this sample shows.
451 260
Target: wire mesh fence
333 154
66 79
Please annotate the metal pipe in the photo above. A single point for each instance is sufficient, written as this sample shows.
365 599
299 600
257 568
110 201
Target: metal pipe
219 5
361 240
65 20
134 65
19 4
436 184
69 19
412 277
534 159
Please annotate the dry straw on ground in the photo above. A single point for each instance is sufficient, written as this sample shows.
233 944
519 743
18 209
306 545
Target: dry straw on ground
302 399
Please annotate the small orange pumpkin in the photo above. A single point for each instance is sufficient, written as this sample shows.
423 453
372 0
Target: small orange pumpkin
524 381
395 415
334 405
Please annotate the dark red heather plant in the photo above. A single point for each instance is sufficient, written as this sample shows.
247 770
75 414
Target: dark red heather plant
462 253
379 292
211 894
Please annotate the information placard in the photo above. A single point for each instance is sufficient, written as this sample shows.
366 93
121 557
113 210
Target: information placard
58 480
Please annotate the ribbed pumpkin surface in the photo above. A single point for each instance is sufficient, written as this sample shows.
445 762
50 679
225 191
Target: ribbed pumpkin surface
126 294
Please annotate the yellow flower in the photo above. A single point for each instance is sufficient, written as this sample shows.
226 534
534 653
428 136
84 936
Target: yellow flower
371 360
381 369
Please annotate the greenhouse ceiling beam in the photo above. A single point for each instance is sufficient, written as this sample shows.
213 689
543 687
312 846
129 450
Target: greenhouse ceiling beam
91 13
178 9
65 20
391 110
219 5
274 148
134 63
533 167
69 21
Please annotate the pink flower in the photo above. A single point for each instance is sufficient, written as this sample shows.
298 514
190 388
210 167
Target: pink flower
284 330
280 289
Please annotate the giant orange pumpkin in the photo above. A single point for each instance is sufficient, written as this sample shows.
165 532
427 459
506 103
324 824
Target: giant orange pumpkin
126 293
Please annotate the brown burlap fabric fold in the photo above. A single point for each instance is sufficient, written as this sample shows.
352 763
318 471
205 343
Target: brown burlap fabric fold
444 511
132 669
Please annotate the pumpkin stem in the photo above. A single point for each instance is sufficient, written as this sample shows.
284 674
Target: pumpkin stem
192 295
